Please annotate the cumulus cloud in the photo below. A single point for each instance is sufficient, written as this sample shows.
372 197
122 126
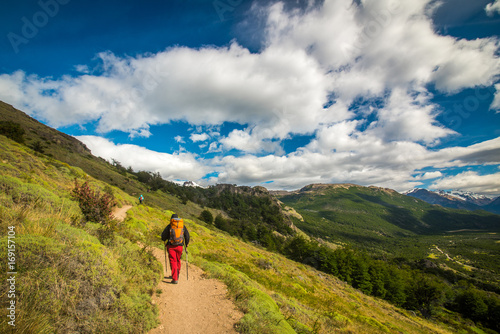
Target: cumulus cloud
82 69
471 181
195 137
495 105
269 91
493 7
184 166
429 175
340 49
379 45
314 68
484 153
341 153
409 118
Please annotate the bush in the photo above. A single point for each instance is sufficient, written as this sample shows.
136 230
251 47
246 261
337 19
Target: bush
95 207
12 130
207 217
38 147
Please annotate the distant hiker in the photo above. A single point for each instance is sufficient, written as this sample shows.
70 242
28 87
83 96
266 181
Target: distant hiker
141 198
176 235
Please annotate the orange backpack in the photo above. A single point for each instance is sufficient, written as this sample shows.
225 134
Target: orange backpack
176 232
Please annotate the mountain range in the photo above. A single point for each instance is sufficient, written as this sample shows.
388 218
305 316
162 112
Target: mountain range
457 199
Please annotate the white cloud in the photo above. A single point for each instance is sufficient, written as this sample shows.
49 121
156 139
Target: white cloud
195 137
493 7
305 80
245 140
379 45
430 175
343 154
82 69
484 153
214 147
338 48
272 91
408 118
339 154
471 181
11 88
171 166
495 105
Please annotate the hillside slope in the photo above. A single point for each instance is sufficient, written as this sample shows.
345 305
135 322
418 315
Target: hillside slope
351 212
448 201
67 149
68 276
450 245
494 206
71 278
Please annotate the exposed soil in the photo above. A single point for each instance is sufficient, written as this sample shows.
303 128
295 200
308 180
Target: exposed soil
121 213
196 305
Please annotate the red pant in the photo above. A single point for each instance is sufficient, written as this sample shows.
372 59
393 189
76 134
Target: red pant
174 256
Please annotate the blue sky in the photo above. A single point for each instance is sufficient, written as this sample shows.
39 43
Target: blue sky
391 93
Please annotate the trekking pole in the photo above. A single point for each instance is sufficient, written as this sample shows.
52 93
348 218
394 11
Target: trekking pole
187 265
166 268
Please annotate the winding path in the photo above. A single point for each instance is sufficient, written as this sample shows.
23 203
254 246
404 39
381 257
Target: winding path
195 305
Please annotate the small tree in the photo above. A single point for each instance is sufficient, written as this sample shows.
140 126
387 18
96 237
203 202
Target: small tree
38 146
425 294
207 217
221 223
96 207
12 130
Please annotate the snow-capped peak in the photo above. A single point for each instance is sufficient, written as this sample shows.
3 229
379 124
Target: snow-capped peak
191 184
463 195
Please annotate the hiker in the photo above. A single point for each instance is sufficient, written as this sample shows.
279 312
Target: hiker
141 198
176 235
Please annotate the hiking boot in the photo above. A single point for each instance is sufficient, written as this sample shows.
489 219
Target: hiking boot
174 281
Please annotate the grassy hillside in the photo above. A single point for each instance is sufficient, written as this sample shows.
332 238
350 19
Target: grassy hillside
67 279
378 219
351 212
451 247
72 278
61 147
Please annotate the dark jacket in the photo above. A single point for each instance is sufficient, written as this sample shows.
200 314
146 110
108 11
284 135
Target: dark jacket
165 235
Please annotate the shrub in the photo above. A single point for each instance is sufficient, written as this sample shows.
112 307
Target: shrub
12 130
38 146
96 207
207 217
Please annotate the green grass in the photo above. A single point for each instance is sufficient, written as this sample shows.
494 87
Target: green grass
389 225
71 281
67 279
307 300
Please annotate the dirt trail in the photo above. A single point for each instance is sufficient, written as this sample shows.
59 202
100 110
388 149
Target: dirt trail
121 213
193 306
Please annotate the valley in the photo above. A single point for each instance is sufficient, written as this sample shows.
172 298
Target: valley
326 258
